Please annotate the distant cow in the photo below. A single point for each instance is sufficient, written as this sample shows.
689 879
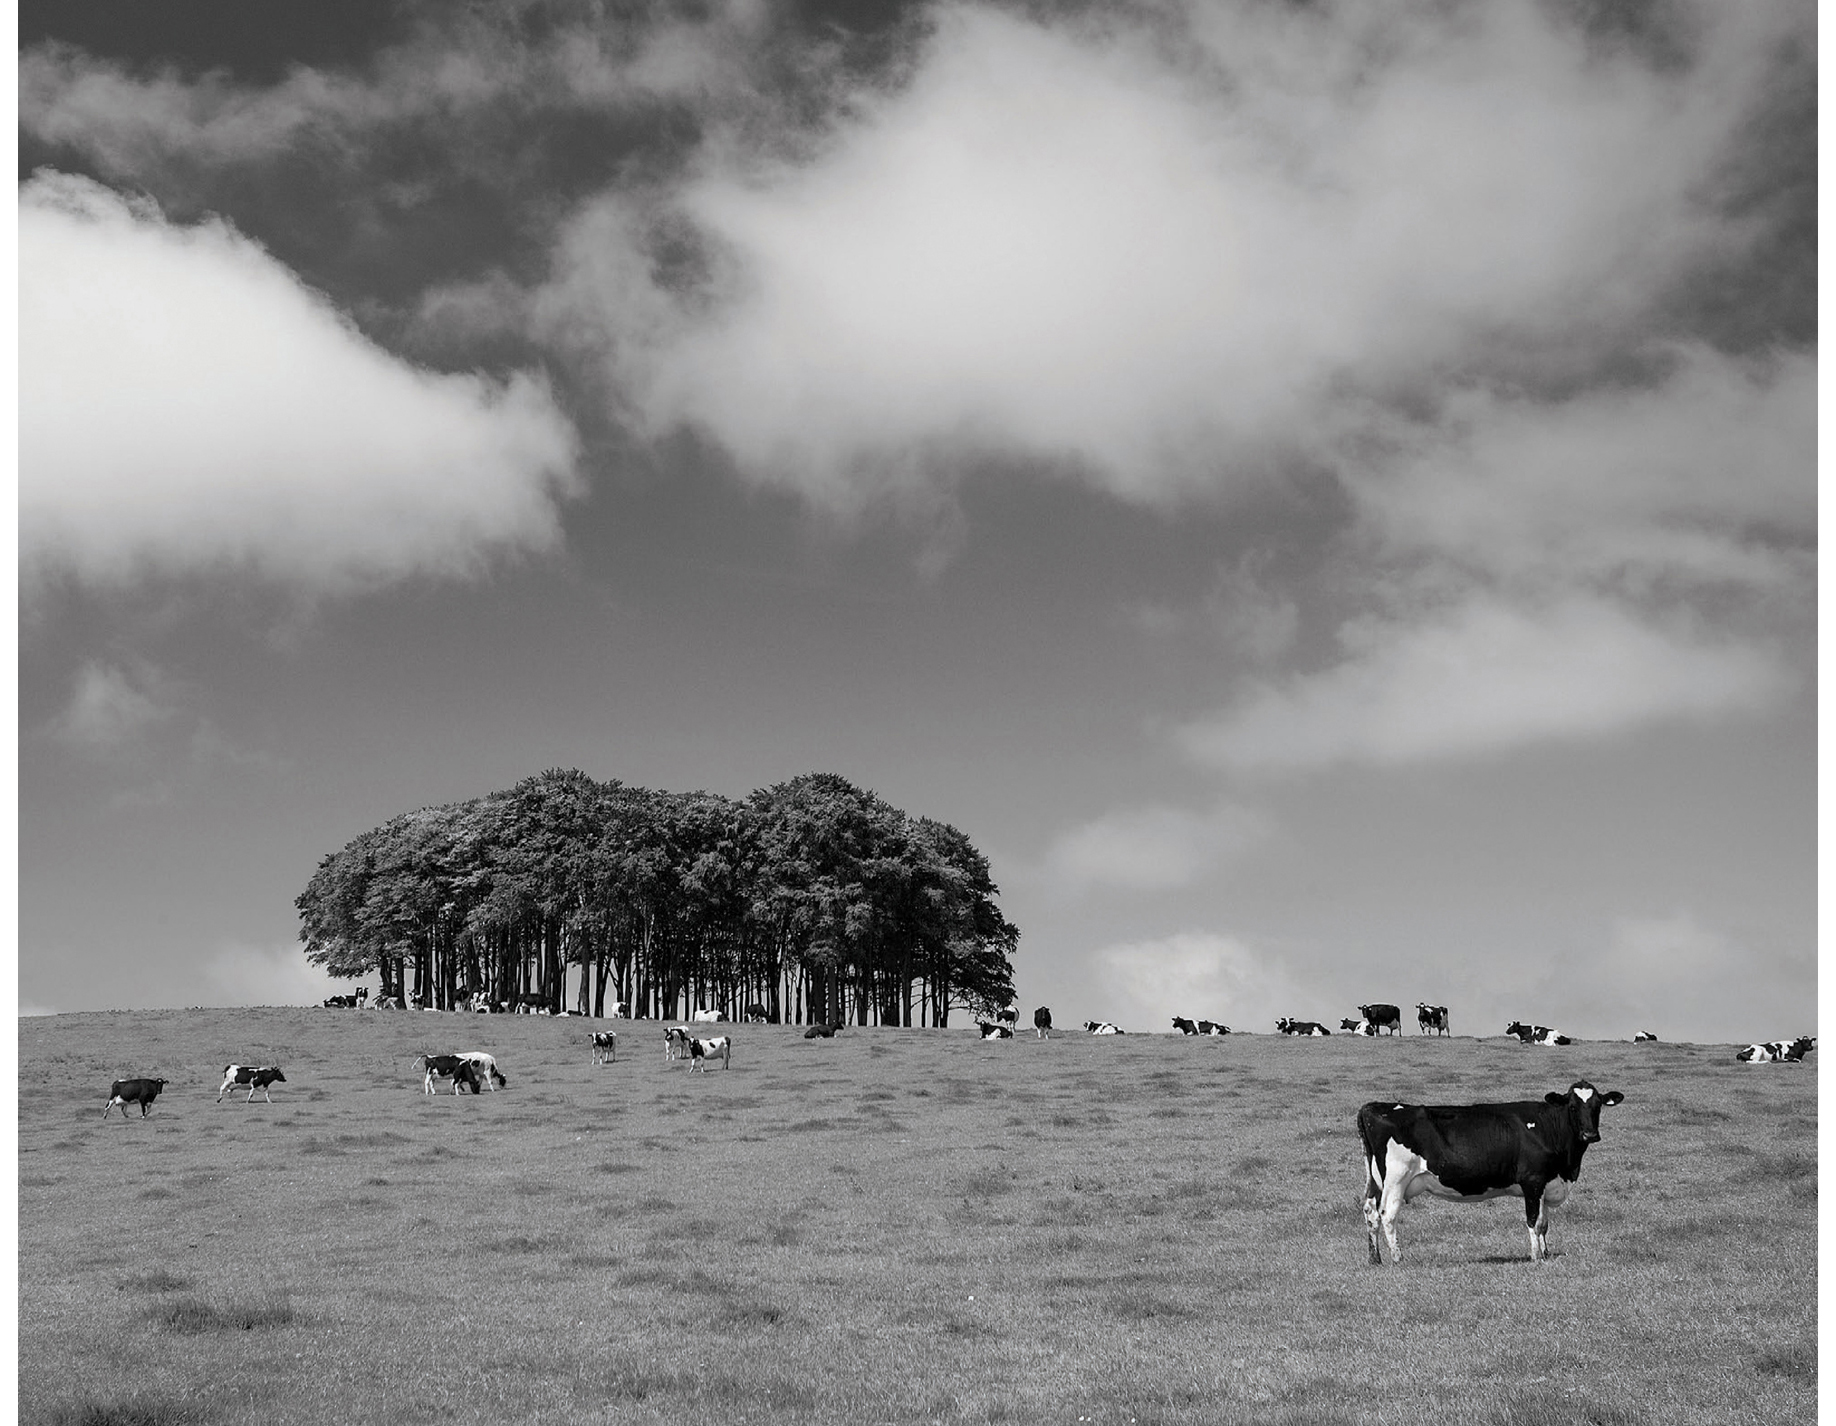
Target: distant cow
349 1002
1042 1022
1207 1027
621 1010
1009 1016
705 1017
388 1002
823 1030
133 1091
994 1032
1431 1018
605 1046
254 1076
1473 1152
675 1042
1642 1036
1383 1017
1103 1027
1536 1034
1358 1027
1771 1052
701 1051
757 1013
1300 1027
487 1068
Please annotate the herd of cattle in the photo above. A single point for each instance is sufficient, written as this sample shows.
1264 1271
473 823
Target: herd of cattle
1470 1153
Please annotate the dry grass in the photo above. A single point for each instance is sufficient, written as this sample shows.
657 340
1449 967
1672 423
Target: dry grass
892 1226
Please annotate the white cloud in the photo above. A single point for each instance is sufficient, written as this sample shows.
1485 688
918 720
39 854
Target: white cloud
185 402
1151 848
109 710
1199 975
267 975
1483 678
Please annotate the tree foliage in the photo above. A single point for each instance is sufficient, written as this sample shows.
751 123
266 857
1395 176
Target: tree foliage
814 898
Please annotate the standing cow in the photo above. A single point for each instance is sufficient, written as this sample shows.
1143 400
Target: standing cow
1042 1022
133 1091
1431 1019
1383 1017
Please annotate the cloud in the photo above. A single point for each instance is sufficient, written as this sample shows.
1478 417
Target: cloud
1483 678
1165 261
1197 974
187 403
1151 848
266 975
109 710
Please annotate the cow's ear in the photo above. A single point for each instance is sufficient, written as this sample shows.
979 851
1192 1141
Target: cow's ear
1553 1098
1612 1096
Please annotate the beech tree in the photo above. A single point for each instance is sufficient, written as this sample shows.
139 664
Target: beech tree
814 898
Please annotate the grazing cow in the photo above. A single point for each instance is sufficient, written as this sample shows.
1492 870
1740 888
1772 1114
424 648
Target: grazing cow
757 1013
605 1046
1531 1148
705 1017
133 1091
994 1032
1042 1022
1536 1034
1300 1027
1184 1026
1384 1017
675 1042
1771 1052
254 1076
1207 1027
1431 1017
460 1069
487 1068
701 1051
1642 1036
1358 1027
1102 1027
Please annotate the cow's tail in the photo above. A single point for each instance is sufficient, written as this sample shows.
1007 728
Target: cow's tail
1375 1138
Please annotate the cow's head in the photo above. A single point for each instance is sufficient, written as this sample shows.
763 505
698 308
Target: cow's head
1583 1104
1519 1029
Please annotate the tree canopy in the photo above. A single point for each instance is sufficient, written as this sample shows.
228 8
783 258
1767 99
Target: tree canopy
814 899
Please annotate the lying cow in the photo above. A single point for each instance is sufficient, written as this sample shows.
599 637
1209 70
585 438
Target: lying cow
1207 1027
1536 1034
133 1091
1184 1026
824 1031
1358 1027
1431 1018
605 1046
1530 1148
1771 1052
1300 1027
1642 1037
349 1002
701 1051
706 1017
994 1032
254 1076
1103 1027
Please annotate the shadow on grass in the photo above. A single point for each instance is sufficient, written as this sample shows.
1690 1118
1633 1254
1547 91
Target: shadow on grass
135 1411
192 1315
1796 1361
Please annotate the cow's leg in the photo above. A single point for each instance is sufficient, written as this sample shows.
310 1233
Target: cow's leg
1370 1212
1536 1215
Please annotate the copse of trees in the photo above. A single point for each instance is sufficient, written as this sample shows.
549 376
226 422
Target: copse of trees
813 898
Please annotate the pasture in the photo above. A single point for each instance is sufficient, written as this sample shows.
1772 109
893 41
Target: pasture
890 1226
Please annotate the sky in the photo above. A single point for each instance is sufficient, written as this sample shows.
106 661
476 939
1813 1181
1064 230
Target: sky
1323 494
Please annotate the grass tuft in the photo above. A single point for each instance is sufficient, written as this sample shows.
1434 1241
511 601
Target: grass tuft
135 1411
192 1315
1796 1361
159 1280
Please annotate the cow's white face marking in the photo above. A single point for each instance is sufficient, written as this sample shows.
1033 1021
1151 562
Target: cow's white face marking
1583 1093
1529 1123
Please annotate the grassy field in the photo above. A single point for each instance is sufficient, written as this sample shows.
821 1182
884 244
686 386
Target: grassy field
892 1226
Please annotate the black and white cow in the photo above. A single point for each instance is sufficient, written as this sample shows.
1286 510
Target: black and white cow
1103 1027
825 1031
487 1069
1771 1052
1358 1027
701 1051
605 1046
994 1032
1009 1016
1530 1148
1042 1022
133 1091
706 1017
349 1002
1642 1036
1208 1027
1383 1017
1431 1018
1536 1034
462 1070
1184 1026
675 1042
1300 1027
757 1013
254 1076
